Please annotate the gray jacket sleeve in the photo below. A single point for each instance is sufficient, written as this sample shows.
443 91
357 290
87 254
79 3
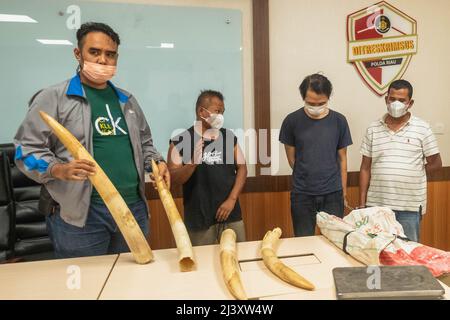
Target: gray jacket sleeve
148 149
33 142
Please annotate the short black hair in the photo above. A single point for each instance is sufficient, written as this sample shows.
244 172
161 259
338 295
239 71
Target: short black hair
205 97
317 83
88 27
401 84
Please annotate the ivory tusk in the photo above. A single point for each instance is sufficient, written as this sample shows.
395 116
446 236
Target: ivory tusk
186 256
276 266
122 215
229 264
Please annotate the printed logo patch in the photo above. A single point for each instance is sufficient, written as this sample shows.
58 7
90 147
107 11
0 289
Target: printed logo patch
109 126
212 157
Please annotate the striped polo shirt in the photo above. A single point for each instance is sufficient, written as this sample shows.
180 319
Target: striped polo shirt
398 177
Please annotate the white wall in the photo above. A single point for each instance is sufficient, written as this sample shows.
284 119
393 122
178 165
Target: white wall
307 36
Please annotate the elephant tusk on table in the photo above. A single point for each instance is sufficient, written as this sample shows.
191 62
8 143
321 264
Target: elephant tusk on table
122 215
186 256
229 264
276 266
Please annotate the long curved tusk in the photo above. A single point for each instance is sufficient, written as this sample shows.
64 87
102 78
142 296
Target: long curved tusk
122 215
229 264
276 266
186 256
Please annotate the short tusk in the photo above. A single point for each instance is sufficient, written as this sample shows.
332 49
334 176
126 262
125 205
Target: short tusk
122 215
276 266
230 268
186 256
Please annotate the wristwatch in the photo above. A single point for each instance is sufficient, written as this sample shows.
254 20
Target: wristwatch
148 167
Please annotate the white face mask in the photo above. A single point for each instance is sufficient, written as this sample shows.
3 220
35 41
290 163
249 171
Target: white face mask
215 120
397 109
316 111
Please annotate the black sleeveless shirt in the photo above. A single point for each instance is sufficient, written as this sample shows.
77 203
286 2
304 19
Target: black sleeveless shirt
213 179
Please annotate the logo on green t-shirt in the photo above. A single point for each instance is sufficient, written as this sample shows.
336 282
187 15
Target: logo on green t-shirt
108 126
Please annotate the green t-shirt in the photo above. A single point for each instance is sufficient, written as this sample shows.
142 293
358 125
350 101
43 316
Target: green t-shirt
112 146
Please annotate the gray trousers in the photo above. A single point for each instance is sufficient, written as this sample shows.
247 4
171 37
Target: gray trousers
213 233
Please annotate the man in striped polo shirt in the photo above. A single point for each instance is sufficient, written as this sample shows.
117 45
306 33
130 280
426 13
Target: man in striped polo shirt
397 152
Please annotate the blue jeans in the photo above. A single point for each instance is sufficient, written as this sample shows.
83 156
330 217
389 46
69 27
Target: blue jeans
304 209
410 221
99 236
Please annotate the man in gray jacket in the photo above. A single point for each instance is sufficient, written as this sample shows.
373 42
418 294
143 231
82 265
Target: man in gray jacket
110 124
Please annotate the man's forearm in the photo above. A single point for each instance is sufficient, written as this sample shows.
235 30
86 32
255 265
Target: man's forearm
290 155
433 163
182 174
291 164
344 177
344 182
364 178
241 176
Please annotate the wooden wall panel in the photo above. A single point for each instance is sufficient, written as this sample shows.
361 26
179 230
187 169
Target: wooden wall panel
161 236
435 229
265 211
261 74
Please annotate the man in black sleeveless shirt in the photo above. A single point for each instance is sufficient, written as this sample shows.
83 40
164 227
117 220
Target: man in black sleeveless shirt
207 161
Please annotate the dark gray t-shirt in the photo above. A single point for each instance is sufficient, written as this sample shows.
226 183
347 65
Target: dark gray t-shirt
316 142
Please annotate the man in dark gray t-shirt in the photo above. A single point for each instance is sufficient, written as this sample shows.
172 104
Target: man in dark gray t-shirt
316 140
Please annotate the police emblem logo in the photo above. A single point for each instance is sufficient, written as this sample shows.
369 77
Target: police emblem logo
381 41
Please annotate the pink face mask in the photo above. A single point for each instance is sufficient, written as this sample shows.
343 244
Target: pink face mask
98 73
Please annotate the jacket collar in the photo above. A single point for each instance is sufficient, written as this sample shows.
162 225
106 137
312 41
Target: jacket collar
76 89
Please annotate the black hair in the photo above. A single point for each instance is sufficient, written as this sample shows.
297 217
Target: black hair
96 27
317 83
401 84
205 97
